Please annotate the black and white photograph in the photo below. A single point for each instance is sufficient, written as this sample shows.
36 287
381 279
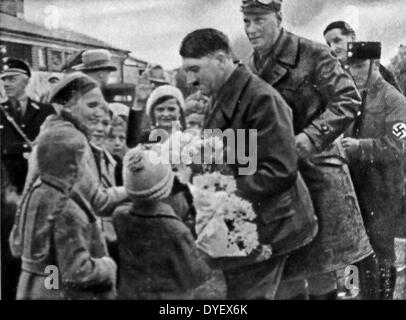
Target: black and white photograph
204 151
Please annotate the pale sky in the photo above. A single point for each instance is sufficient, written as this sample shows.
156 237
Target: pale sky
154 29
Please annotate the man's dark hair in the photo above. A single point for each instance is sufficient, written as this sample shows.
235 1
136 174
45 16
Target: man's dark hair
345 28
203 42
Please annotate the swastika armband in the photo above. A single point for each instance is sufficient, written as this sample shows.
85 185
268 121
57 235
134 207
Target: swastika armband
399 130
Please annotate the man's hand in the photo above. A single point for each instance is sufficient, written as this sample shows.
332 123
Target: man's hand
350 145
304 146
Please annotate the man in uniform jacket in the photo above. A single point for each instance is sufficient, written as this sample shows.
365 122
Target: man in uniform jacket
19 110
338 34
375 147
20 122
324 101
271 183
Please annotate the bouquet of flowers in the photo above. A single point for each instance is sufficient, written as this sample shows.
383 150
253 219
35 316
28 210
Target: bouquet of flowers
225 222
190 152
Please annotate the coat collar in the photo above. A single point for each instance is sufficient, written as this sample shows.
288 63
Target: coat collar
32 110
287 48
58 184
283 54
227 99
152 210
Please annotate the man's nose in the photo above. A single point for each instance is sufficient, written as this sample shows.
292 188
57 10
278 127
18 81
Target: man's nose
99 127
190 78
334 46
250 29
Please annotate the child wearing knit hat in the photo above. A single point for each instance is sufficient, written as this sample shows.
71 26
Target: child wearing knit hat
159 259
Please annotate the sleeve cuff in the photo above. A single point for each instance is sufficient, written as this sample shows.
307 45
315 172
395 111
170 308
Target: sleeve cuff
366 149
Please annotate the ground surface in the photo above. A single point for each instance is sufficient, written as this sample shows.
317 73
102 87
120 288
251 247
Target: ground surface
215 288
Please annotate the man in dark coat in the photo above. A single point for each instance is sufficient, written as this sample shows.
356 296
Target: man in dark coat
20 122
241 100
338 34
375 147
324 101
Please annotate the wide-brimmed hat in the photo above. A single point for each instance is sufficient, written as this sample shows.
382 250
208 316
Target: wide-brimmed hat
97 59
164 91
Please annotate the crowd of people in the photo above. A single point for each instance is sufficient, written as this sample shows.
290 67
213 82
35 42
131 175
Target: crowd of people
80 190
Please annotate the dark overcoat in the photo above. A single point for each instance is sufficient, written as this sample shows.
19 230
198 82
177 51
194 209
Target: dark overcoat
285 215
377 166
324 101
158 256
13 146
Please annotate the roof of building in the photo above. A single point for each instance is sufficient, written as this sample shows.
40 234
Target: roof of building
24 27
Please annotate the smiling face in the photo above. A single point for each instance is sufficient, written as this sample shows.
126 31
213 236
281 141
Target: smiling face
87 107
204 74
338 42
166 112
99 125
262 29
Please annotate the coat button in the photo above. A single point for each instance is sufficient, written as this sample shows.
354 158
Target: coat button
324 128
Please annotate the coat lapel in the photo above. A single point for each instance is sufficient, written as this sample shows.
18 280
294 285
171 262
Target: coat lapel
278 61
31 112
276 74
225 104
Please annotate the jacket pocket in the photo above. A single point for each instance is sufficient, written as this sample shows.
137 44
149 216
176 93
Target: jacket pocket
277 208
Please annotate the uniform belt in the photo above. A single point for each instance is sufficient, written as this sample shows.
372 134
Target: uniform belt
34 267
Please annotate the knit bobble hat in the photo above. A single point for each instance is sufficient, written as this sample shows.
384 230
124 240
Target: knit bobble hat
145 176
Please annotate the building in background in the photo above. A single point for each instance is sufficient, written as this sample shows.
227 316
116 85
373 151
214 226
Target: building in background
47 50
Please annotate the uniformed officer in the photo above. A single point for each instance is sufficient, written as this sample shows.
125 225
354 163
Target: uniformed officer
20 121
338 34
324 101
375 147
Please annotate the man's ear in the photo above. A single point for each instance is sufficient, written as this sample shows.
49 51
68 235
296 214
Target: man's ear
279 17
221 57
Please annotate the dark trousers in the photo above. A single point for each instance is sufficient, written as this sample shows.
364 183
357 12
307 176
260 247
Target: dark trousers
258 281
